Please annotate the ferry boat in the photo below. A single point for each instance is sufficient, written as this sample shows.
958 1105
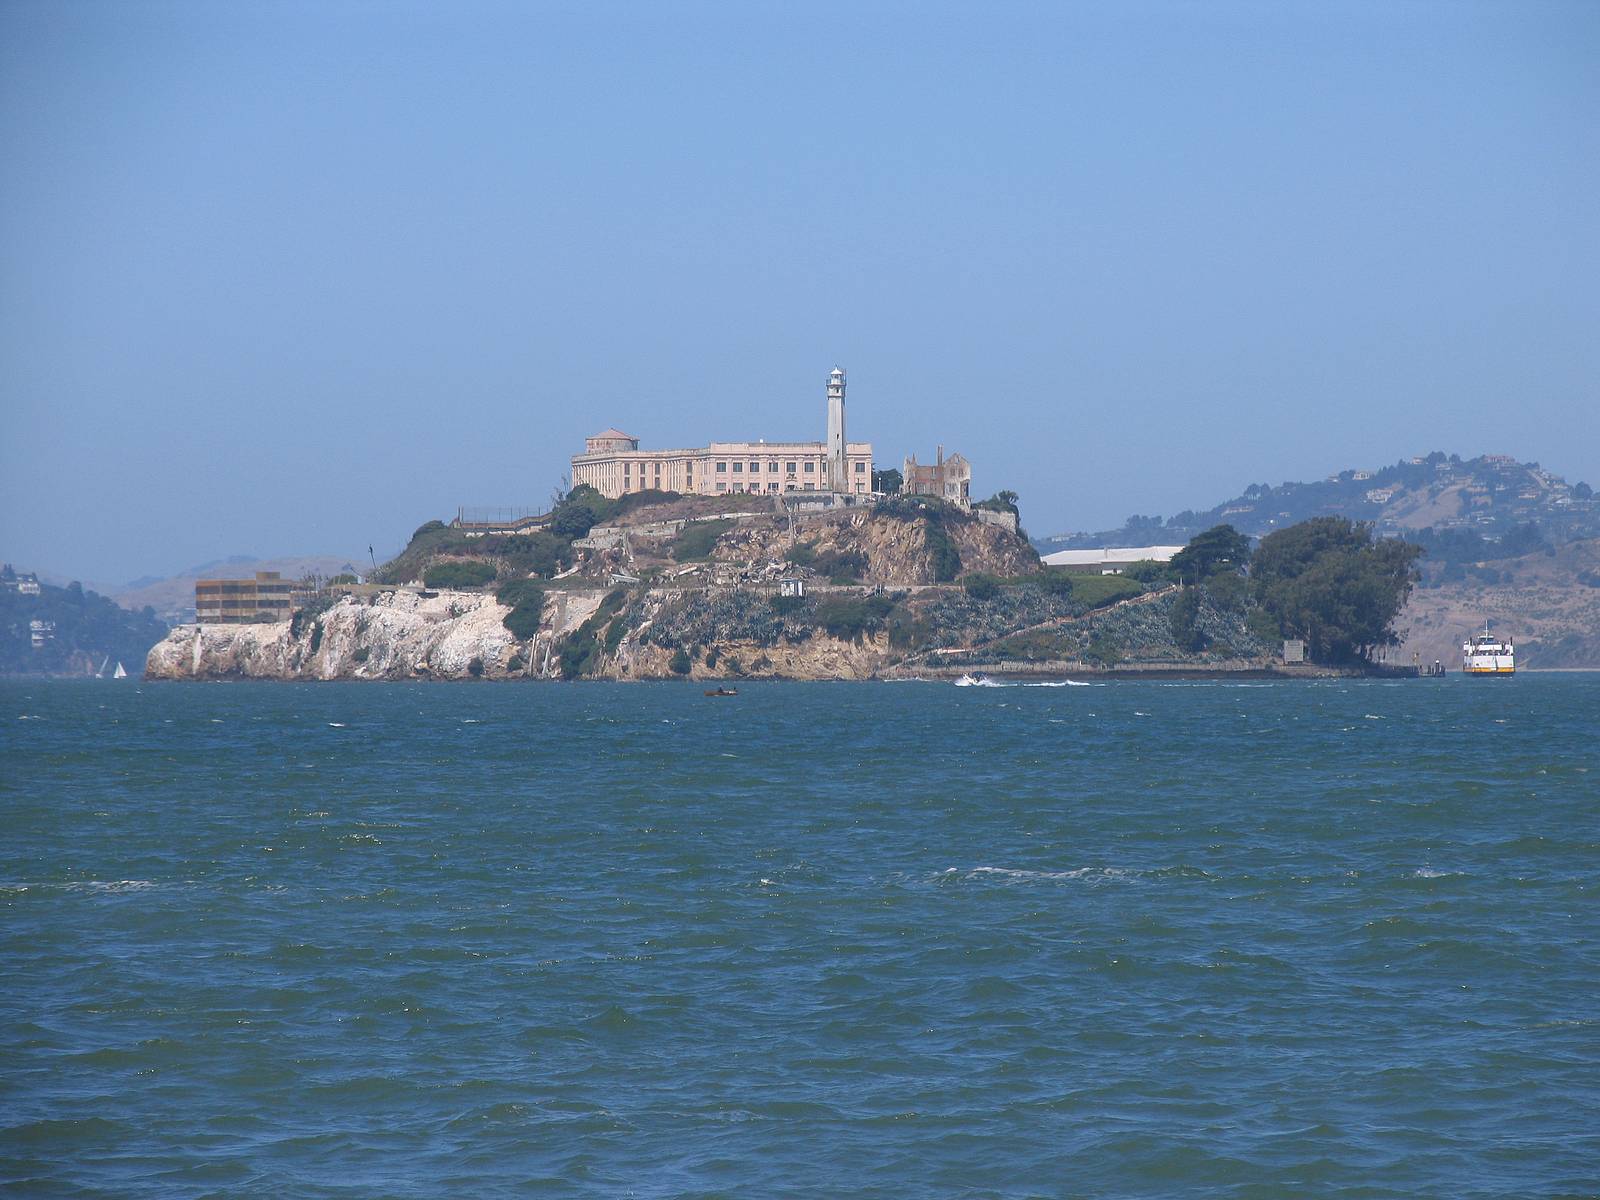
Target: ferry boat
1485 654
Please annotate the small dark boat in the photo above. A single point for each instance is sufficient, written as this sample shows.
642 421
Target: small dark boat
722 691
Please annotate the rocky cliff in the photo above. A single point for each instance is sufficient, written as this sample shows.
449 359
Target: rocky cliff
460 635
725 633
891 550
395 635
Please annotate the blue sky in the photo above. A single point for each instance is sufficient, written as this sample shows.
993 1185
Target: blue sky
295 278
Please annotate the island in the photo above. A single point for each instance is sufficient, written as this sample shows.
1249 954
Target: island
660 585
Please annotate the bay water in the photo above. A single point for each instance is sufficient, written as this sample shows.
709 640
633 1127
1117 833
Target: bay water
1226 938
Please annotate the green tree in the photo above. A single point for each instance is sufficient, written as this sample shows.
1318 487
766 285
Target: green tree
981 587
579 511
888 481
1003 501
680 662
1149 571
572 521
1053 581
1220 549
1327 580
1184 621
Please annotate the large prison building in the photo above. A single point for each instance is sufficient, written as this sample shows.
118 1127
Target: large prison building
613 464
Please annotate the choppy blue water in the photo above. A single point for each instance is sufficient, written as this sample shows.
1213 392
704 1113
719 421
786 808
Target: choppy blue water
1138 939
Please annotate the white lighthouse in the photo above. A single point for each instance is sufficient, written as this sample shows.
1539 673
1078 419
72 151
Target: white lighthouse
838 472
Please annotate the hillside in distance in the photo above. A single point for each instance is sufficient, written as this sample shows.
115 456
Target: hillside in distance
1462 501
70 630
1547 601
173 598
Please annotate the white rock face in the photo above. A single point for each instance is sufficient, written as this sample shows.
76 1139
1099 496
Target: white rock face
394 635
404 635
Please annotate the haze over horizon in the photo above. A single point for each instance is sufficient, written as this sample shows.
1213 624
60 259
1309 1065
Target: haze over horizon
296 279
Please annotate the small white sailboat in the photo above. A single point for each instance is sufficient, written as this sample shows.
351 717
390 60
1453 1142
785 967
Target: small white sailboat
101 673
119 673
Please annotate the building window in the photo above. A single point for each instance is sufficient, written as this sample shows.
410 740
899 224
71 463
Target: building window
861 468
811 468
738 467
755 466
789 467
722 466
772 464
721 487
772 487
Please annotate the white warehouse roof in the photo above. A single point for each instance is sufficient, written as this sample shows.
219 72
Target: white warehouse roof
1110 556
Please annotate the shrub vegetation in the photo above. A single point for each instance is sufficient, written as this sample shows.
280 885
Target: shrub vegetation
696 540
459 573
581 649
850 618
525 598
1052 581
1185 612
1096 591
981 587
942 553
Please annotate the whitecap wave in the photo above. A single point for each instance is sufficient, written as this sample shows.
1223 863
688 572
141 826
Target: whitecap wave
1025 875
984 681
85 885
